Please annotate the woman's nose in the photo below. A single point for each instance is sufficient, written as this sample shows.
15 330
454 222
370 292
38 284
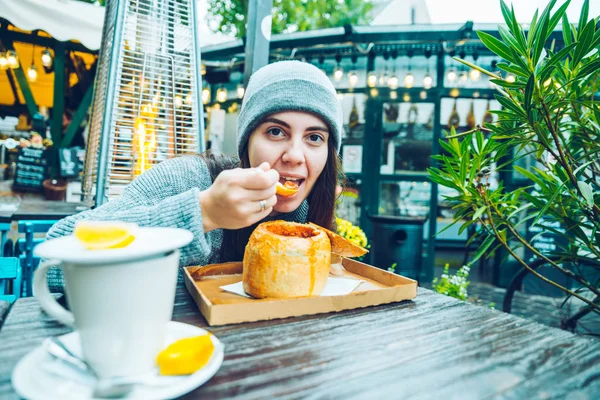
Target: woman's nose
293 153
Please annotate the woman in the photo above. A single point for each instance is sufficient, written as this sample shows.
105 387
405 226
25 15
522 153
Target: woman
289 128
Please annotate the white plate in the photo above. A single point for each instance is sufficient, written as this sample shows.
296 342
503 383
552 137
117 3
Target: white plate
148 242
38 376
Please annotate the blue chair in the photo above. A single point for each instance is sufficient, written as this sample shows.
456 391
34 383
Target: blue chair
10 272
24 250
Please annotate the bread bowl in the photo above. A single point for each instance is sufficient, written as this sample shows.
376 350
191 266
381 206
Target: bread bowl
286 259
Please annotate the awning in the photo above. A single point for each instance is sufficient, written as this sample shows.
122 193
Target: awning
65 20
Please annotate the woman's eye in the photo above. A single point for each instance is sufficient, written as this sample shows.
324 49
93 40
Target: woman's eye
275 132
315 138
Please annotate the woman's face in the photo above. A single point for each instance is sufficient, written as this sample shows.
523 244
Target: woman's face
295 144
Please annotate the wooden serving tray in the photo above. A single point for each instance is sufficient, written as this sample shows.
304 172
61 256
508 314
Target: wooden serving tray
220 307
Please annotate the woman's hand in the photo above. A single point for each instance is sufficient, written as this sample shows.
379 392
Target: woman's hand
239 197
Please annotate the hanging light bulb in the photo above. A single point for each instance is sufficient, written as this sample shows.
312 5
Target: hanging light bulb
374 92
188 99
476 94
203 69
451 75
409 80
13 59
32 73
423 94
463 77
393 82
510 78
338 72
352 78
3 61
393 95
427 81
474 74
221 95
406 97
205 95
178 101
241 90
372 79
46 58
454 92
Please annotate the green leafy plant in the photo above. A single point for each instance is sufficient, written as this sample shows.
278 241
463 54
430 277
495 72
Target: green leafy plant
229 16
550 114
453 285
392 268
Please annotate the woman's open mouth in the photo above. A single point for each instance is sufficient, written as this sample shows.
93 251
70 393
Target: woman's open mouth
288 186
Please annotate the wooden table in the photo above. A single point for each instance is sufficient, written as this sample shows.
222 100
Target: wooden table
432 347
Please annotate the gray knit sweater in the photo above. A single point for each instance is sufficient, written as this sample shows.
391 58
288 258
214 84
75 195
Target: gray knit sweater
167 195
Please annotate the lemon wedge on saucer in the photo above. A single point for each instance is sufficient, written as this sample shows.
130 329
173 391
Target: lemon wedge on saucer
185 356
102 235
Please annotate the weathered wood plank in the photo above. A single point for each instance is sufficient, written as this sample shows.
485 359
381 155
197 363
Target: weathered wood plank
432 347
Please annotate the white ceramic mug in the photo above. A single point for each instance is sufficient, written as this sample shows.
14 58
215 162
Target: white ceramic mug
121 300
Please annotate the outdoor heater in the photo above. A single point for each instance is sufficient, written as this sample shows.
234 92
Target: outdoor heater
146 105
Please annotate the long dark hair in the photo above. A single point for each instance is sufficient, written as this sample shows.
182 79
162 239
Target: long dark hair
321 199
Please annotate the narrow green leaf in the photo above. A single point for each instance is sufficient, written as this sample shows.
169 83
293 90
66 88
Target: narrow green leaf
477 67
583 17
448 148
508 104
483 248
496 46
507 15
479 212
479 140
510 39
515 69
531 176
464 165
508 85
587 192
540 39
566 30
555 59
528 93
532 27
558 16
535 33
589 68
585 39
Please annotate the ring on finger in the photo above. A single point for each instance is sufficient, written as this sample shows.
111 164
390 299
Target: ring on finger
263 205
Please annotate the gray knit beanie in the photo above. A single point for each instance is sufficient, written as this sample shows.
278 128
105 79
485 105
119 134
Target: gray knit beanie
289 86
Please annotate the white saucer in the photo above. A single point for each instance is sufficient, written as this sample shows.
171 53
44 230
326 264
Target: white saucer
33 378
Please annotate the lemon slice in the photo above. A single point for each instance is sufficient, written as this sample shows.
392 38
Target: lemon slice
102 235
185 356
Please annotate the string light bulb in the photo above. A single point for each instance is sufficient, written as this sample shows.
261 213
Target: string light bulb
32 73
393 82
205 95
510 78
13 59
372 79
46 58
474 74
3 61
463 77
188 99
241 90
338 72
352 78
423 94
393 95
409 80
221 95
451 75
427 81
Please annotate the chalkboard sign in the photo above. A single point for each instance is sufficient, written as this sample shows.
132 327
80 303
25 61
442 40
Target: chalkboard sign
71 161
32 167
